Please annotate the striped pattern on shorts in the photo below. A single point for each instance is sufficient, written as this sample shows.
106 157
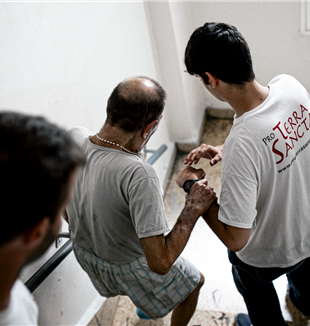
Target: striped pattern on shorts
156 295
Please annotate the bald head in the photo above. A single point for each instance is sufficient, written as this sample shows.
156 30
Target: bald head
137 86
134 103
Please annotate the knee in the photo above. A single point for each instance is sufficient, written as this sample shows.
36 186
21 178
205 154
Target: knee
202 280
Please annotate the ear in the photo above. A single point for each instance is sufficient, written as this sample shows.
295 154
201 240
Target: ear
34 235
147 129
213 80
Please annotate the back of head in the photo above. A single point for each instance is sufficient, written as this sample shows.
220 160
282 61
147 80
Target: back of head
222 51
37 159
135 102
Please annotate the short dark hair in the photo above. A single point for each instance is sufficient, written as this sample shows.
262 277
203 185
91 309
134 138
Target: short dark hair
131 106
222 51
37 159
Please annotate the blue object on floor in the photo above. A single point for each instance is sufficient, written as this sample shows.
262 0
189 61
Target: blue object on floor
141 315
243 320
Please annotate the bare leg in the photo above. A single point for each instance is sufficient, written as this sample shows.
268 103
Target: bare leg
184 311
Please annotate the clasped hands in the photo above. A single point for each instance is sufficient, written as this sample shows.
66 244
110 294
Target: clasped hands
200 194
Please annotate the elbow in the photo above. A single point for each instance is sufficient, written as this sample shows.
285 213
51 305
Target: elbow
160 271
160 268
235 246
236 238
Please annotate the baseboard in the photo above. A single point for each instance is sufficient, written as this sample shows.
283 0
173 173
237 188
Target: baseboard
220 113
169 168
91 311
209 113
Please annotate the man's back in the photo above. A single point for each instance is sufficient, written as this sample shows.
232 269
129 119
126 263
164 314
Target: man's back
265 176
117 200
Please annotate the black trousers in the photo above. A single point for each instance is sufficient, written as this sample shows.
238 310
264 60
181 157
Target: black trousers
256 287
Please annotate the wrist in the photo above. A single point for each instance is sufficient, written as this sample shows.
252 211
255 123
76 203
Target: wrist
191 211
212 212
187 185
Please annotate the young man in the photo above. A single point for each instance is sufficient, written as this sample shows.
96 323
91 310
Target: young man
263 212
38 161
117 218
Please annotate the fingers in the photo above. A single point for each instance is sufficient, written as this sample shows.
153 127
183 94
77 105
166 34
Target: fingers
205 187
202 189
215 160
202 196
202 185
195 155
203 182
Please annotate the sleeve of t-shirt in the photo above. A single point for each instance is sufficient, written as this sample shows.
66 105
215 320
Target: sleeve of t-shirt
22 308
237 201
79 134
239 185
147 208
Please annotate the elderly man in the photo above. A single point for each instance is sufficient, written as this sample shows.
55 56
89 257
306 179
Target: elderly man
264 204
38 164
117 218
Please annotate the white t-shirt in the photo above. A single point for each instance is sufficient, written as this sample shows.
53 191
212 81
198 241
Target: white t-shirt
266 177
117 200
22 308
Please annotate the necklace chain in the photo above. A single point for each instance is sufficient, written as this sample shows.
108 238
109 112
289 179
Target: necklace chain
118 145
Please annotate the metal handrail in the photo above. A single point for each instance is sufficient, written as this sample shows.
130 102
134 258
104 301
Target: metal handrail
156 154
44 271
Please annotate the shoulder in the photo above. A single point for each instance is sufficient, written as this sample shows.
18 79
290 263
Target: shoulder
79 130
79 133
138 176
285 81
143 169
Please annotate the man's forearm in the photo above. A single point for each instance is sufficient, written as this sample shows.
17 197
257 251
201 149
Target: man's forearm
161 252
177 239
233 238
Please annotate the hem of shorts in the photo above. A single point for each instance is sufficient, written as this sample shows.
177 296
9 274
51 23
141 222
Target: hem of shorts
170 309
274 265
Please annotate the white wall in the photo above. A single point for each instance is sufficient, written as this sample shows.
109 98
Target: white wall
170 25
62 60
272 30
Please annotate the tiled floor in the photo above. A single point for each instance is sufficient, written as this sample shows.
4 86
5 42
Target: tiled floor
219 300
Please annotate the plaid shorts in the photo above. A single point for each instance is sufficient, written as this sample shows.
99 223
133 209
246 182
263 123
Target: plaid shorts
156 295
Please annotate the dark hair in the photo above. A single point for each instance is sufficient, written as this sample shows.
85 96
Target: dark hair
222 51
37 159
132 105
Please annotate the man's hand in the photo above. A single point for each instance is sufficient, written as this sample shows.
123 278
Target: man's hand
200 197
189 173
214 154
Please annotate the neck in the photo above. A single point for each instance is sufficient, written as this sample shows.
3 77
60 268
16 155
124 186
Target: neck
11 263
245 99
113 134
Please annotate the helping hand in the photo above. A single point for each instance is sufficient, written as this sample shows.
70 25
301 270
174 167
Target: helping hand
214 154
200 197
